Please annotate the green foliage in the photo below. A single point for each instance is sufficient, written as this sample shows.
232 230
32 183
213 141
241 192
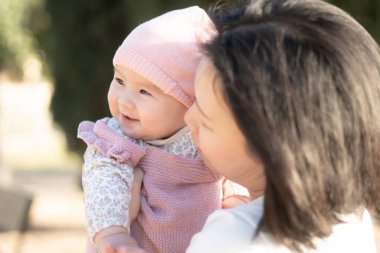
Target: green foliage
79 38
367 12
15 40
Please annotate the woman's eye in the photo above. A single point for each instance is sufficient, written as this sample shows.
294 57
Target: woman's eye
119 81
203 125
144 92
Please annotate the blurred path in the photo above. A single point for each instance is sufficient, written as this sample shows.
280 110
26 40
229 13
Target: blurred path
56 218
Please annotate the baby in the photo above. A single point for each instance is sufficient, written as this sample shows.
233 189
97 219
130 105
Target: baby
151 90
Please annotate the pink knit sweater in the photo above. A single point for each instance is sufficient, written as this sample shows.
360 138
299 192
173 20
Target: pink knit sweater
177 196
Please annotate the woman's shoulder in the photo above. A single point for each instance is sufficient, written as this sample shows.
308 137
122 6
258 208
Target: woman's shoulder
354 234
229 230
234 230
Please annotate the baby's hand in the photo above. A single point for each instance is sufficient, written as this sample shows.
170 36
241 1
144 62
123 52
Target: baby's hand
130 250
112 238
108 249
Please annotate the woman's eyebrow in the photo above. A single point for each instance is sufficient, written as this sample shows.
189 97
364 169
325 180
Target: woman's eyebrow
202 112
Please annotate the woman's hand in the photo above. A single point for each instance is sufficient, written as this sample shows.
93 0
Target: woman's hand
233 194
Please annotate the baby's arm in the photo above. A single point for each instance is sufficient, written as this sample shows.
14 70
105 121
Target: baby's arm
115 236
107 188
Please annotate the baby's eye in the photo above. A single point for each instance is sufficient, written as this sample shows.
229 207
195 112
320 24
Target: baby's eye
144 92
119 81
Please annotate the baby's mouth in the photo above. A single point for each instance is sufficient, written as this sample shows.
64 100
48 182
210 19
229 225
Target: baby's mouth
129 118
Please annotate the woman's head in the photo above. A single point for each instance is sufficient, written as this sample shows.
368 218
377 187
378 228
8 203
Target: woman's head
218 137
301 79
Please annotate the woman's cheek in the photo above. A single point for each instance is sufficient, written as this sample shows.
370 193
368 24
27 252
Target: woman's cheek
205 146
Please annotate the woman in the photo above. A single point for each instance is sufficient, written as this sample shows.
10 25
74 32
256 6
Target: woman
296 85
288 104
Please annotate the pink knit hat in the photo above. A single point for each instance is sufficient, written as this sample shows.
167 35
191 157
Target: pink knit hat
165 50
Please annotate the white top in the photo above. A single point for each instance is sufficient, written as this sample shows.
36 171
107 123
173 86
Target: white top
232 230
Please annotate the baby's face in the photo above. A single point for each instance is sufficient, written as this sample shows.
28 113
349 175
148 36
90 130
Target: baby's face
142 109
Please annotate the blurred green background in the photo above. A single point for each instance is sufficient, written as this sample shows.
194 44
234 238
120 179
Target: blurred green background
75 40
73 43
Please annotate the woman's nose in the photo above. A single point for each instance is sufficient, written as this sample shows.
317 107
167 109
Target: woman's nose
190 121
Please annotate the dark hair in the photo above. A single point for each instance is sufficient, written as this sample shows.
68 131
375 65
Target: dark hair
302 81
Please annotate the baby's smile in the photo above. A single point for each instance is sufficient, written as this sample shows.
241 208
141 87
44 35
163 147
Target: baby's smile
129 118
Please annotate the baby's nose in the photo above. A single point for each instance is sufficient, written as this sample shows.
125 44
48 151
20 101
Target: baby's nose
126 100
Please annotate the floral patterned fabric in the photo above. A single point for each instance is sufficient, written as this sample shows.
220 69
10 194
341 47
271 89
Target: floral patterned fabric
107 183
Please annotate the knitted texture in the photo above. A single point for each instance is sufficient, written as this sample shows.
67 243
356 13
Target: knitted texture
165 50
109 143
177 196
